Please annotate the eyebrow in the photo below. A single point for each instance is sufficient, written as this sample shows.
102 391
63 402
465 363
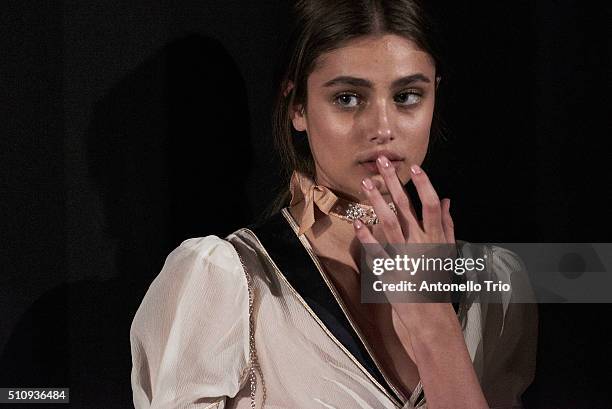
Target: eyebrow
361 82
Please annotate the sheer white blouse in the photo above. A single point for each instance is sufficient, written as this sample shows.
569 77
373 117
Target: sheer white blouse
221 327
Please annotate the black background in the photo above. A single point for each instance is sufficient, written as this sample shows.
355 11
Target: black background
130 126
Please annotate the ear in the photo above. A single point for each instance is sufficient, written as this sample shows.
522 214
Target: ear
297 112
298 118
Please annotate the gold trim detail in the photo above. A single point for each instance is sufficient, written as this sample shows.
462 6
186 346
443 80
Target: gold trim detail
321 324
331 287
253 367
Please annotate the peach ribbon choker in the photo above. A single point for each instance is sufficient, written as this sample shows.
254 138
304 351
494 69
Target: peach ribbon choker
305 189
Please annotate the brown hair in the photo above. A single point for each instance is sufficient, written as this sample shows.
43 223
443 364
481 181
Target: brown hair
320 26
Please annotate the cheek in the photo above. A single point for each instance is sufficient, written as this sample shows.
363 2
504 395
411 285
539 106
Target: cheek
420 122
416 132
327 123
328 133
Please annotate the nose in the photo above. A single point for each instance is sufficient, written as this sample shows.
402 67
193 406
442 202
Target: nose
379 131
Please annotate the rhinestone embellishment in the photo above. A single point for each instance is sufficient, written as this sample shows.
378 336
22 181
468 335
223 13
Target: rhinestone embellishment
364 213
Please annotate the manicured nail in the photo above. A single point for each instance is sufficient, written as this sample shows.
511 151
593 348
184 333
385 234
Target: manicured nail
357 223
384 161
367 183
415 169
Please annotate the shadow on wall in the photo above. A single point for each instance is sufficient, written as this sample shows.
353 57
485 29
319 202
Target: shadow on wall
168 148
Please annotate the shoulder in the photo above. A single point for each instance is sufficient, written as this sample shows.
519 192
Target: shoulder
495 254
201 259
505 260
502 266
508 267
501 263
209 249
199 272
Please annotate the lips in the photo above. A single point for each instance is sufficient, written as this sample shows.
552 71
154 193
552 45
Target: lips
373 168
368 160
373 155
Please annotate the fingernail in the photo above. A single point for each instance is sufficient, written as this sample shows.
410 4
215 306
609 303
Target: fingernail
357 223
415 169
384 161
367 183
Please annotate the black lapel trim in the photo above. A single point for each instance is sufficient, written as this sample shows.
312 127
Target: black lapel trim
293 261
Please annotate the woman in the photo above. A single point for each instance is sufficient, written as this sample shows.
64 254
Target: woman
271 316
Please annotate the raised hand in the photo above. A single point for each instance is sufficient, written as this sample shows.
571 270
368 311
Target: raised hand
441 355
436 227
437 223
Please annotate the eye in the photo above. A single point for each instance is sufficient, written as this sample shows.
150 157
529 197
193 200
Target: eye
409 97
347 100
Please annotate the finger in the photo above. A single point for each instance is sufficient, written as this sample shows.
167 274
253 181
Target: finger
372 248
375 259
386 216
432 213
447 222
405 212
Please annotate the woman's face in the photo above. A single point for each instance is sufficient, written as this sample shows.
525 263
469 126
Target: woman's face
374 95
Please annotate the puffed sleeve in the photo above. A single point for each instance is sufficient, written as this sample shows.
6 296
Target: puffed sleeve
510 335
190 336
